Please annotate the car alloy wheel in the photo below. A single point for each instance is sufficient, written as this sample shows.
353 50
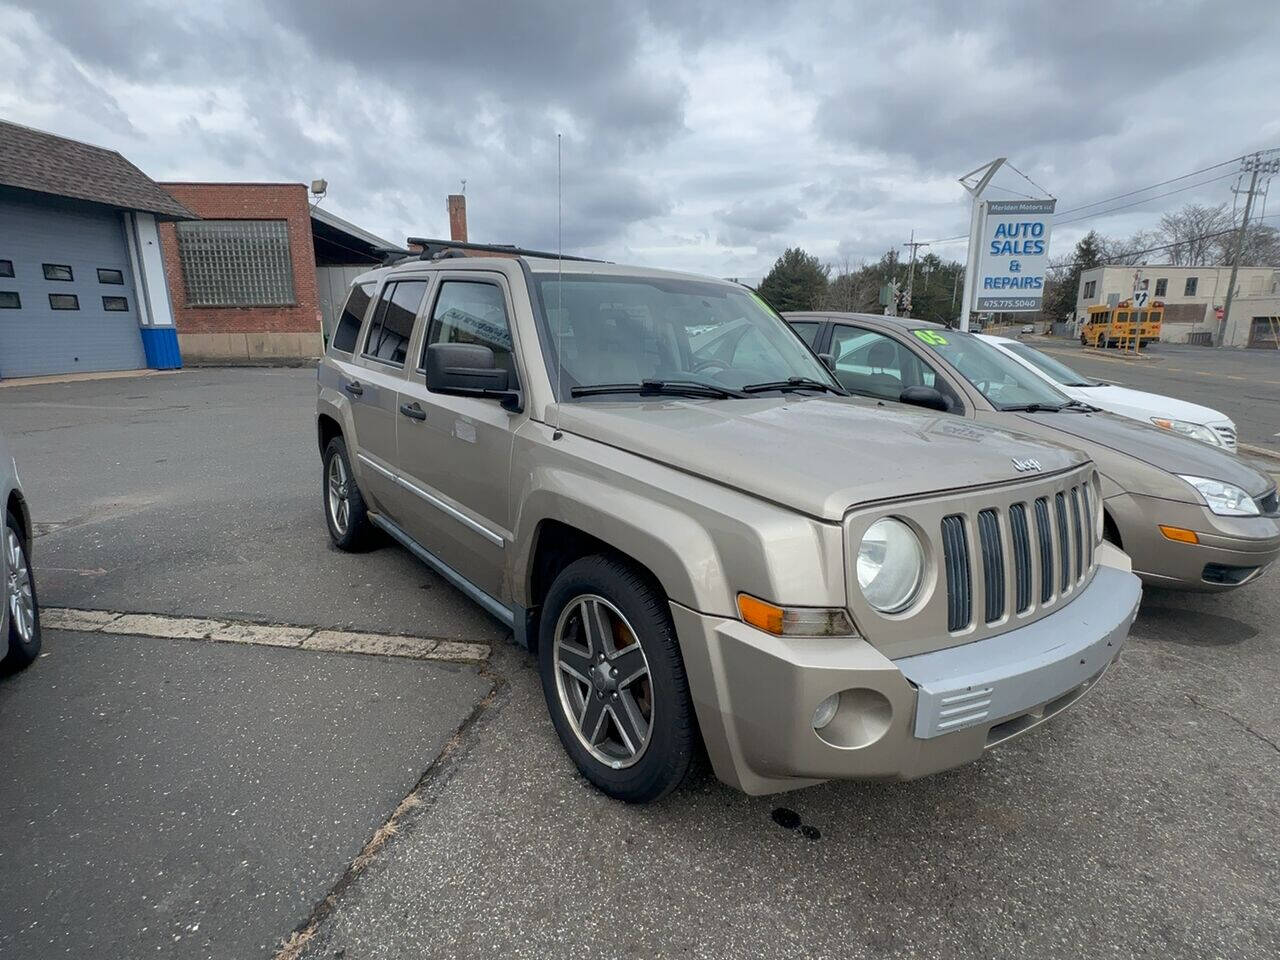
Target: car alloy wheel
19 595
339 494
603 680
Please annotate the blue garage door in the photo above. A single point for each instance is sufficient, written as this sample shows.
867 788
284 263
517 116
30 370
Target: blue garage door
67 302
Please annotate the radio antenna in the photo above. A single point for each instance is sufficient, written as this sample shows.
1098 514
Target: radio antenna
559 284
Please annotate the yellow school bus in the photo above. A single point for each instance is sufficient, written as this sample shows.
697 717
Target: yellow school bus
1119 325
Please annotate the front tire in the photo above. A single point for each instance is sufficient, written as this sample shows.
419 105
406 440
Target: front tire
614 681
20 601
345 512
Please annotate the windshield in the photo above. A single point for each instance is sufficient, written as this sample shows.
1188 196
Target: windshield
1053 369
628 330
1001 379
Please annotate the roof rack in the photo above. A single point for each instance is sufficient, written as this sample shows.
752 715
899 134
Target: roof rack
440 249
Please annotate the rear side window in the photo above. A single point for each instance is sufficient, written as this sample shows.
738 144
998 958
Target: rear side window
808 331
348 330
393 318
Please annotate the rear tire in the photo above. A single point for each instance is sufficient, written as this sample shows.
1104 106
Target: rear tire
614 681
345 512
21 604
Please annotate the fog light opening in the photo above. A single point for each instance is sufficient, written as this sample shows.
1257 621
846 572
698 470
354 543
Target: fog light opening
826 711
853 719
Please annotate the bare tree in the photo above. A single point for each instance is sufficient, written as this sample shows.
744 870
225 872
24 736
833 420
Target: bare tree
1194 234
1139 248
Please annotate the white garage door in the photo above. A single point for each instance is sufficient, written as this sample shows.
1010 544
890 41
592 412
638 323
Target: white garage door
67 302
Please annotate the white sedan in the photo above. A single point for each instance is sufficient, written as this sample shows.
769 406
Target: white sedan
1190 419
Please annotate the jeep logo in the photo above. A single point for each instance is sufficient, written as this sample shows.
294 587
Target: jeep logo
1023 466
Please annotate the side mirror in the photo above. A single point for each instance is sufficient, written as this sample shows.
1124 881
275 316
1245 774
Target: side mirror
926 397
467 369
829 359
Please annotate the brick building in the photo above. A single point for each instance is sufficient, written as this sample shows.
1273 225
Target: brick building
254 279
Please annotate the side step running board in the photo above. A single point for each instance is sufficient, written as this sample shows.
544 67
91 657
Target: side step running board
492 606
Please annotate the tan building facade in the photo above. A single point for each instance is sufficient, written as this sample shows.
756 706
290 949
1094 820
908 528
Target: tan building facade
1190 295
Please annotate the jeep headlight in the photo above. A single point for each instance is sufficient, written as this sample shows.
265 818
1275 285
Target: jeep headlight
890 565
1196 431
1224 499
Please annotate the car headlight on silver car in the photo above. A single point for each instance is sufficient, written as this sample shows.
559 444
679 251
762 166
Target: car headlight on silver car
890 565
1224 499
1196 431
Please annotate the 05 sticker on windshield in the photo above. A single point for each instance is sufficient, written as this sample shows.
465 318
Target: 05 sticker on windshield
931 337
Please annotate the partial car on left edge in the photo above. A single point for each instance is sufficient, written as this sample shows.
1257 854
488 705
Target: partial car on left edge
20 615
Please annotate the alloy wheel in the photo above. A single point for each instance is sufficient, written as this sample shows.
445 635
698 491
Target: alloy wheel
603 680
19 595
339 496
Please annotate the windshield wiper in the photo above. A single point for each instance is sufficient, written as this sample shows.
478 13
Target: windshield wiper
793 383
673 388
1033 408
1080 405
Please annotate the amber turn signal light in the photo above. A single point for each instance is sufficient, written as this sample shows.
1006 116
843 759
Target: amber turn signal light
1179 534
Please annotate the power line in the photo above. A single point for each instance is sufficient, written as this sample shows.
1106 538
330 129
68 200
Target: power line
1167 246
1134 203
1162 183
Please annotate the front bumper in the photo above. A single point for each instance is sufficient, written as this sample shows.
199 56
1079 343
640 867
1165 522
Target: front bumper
1246 544
755 693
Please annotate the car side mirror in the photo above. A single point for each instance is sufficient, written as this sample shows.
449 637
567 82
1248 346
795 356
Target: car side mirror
926 397
467 369
829 359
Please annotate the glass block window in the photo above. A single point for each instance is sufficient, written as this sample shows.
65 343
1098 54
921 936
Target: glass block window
236 263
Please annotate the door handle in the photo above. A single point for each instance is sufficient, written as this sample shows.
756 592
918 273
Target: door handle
353 388
413 411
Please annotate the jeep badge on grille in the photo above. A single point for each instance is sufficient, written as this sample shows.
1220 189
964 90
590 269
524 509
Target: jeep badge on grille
1026 465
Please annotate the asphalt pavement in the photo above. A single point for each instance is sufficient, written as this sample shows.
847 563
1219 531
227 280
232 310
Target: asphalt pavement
199 494
184 799
1243 384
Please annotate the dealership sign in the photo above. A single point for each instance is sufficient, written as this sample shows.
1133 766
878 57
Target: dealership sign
1013 255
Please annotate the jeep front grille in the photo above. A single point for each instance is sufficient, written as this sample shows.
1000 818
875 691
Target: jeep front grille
1066 554
955 551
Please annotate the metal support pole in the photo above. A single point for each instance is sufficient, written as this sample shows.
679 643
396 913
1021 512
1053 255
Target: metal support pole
986 172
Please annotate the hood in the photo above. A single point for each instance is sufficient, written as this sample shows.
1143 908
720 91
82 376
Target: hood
819 456
1143 406
1162 449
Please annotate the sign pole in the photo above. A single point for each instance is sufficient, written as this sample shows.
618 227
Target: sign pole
983 174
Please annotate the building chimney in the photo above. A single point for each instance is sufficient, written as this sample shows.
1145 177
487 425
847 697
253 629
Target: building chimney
457 218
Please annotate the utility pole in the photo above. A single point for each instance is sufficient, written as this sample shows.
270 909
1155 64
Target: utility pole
1252 165
911 270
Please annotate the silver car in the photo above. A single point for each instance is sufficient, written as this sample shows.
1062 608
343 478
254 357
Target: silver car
20 616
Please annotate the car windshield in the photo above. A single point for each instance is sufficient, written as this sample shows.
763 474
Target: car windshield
1053 369
673 331
1001 379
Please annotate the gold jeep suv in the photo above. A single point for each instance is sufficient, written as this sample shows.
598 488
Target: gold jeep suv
716 545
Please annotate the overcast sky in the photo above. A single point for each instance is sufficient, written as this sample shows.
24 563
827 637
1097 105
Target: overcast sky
698 136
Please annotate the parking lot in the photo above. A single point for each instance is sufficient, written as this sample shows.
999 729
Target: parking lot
174 797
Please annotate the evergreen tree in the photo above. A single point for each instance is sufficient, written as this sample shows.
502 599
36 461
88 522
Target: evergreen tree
1060 301
797 281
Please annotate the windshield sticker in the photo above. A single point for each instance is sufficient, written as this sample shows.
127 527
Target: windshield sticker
932 338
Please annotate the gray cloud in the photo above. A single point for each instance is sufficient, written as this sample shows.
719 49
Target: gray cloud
696 134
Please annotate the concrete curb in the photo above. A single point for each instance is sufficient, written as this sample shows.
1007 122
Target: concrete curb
260 634
1255 450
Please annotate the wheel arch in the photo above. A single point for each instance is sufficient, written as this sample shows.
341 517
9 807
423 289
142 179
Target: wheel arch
327 427
17 506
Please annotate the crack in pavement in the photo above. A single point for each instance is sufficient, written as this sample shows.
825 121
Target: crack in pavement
1242 724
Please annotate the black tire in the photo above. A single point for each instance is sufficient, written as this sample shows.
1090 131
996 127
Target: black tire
22 651
357 533
666 758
